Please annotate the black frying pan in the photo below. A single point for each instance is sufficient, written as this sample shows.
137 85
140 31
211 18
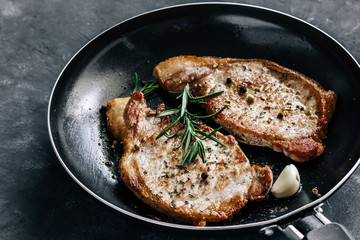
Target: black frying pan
104 69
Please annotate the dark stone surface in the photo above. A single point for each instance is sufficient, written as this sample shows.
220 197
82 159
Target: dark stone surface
38 200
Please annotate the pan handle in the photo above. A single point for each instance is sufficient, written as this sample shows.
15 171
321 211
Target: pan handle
312 227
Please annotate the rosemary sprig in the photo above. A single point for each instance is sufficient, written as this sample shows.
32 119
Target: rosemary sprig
192 135
149 87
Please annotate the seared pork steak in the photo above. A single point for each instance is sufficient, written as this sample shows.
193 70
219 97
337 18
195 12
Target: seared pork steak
197 193
268 105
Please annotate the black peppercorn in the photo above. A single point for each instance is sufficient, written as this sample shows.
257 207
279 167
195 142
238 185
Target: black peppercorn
109 164
250 99
242 90
280 116
228 80
204 175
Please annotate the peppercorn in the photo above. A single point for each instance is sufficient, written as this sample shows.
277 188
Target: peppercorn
109 164
242 90
280 116
250 99
228 80
204 175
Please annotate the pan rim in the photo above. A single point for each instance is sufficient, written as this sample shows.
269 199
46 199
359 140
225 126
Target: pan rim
177 225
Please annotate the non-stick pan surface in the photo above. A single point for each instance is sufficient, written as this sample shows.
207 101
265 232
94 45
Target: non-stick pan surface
104 69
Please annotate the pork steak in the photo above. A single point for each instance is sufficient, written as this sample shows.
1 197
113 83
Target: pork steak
197 193
267 104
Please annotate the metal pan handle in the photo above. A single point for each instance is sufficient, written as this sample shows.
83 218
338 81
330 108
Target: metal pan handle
312 227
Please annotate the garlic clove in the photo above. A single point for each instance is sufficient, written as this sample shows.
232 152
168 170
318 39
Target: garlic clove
288 182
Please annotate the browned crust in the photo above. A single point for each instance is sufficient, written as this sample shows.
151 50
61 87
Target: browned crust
260 190
326 100
112 107
299 150
134 113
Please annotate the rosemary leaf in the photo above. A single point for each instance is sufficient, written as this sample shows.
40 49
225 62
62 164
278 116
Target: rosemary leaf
163 132
169 112
187 142
186 132
208 116
174 134
175 92
208 96
186 155
197 102
136 82
194 152
202 151
212 137
184 101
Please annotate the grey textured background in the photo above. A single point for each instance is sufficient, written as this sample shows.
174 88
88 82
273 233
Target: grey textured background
38 200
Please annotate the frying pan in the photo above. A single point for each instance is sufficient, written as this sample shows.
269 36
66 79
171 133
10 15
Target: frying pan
104 69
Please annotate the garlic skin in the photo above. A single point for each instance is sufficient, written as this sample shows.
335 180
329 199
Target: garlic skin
288 182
